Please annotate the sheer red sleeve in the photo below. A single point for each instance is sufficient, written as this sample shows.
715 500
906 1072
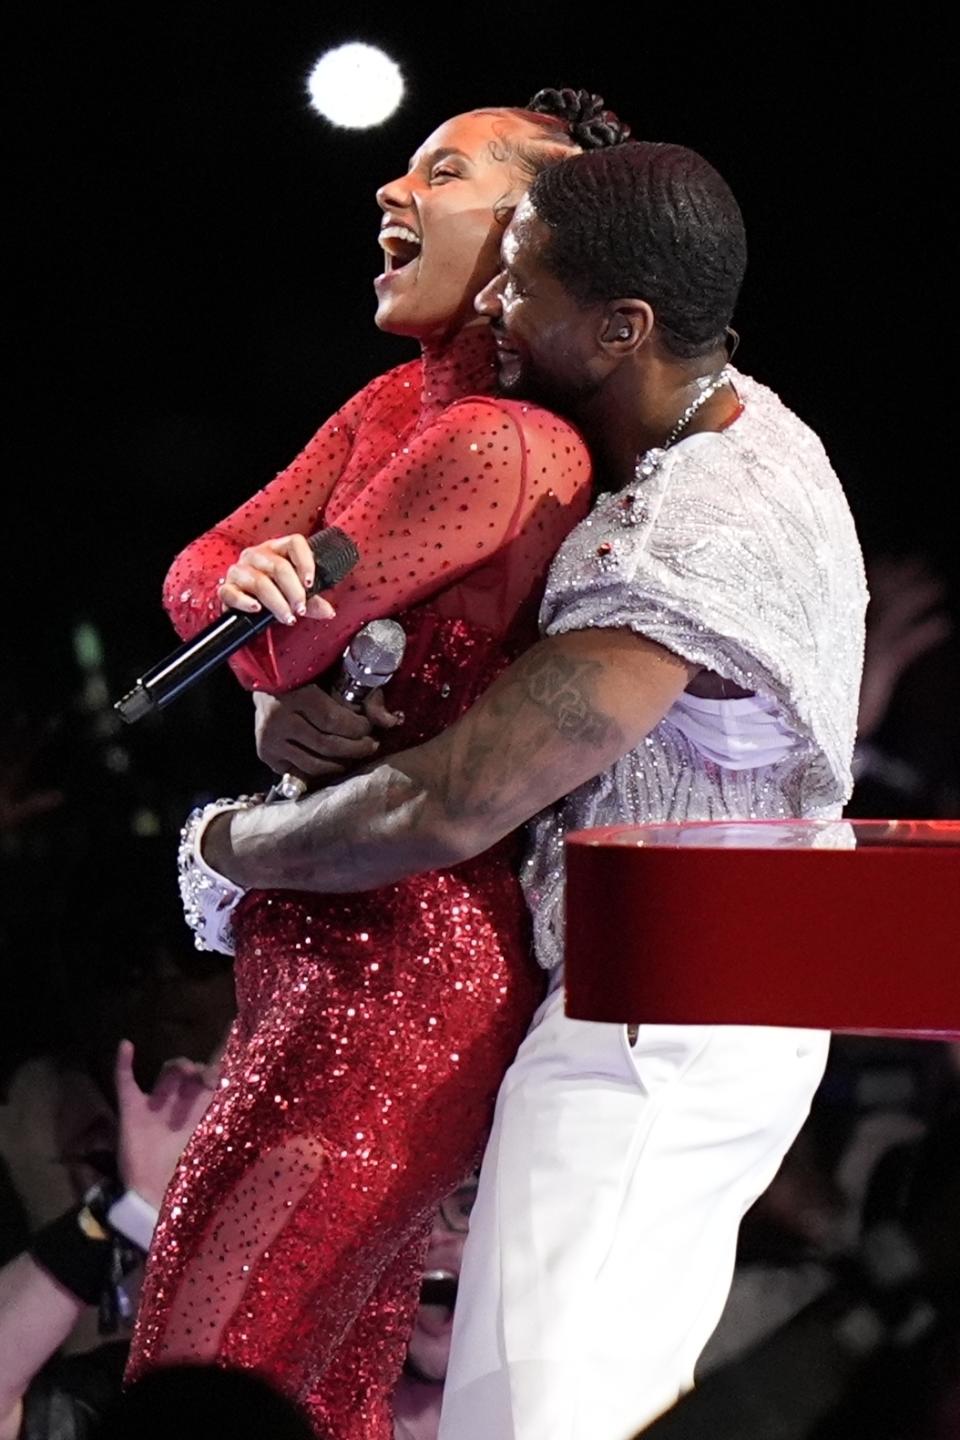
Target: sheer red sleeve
470 511
292 502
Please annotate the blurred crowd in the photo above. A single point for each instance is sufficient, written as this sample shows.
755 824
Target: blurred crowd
844 1316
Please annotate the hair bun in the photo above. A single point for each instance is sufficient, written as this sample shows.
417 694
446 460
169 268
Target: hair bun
591 125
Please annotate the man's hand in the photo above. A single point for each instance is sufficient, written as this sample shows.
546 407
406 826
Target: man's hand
155 1127
37 1312
314 735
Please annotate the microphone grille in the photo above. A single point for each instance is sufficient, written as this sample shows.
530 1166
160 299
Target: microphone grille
334 554
376 650
371 659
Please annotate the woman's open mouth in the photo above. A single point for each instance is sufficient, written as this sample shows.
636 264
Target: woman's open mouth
401 246
439 1287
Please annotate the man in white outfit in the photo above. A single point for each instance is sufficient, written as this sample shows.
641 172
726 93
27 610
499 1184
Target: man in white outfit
702 653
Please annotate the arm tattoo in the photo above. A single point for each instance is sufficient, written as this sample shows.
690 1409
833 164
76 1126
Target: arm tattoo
543 698
560 689
535 735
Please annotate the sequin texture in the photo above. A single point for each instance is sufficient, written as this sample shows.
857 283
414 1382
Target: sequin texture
737 551
450 495
372 1030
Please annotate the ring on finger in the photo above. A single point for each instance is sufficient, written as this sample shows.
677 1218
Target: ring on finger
291 787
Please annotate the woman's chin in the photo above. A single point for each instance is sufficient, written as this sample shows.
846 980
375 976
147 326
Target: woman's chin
395 318
393 325
435 330
398 314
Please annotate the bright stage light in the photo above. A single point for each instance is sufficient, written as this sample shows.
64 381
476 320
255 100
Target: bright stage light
355 86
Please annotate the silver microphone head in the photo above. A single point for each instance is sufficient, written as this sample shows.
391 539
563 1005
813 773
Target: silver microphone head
371 658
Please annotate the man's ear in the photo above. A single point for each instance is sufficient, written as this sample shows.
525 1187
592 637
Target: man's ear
504 208
626 325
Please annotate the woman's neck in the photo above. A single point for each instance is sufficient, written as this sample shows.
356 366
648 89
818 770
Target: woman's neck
464 364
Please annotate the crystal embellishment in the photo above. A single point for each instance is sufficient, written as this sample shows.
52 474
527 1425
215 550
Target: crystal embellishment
209 899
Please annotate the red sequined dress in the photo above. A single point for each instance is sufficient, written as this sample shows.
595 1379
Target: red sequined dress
373 1030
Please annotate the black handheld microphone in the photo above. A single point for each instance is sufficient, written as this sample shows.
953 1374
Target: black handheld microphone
334 554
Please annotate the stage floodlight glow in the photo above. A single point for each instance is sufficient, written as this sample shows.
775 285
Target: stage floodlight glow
355 86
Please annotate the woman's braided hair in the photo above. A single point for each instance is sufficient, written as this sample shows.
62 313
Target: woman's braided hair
584 116
566 121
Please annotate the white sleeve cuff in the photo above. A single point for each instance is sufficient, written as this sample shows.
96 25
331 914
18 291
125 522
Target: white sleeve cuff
209 898
134 1218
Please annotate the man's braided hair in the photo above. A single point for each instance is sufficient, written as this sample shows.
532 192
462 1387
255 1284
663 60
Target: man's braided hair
648 221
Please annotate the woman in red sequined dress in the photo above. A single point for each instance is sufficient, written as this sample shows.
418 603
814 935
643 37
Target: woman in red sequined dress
373 1030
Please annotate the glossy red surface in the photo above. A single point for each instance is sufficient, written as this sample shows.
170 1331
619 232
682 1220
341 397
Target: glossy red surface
844 925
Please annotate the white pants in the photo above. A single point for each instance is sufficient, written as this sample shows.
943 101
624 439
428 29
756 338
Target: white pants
602 1241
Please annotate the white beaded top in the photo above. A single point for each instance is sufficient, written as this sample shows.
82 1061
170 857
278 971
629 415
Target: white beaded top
737 551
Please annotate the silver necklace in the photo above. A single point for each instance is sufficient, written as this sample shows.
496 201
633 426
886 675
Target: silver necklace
708 385
630 507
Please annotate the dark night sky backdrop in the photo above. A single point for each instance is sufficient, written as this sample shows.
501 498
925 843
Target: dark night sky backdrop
191 296
197 250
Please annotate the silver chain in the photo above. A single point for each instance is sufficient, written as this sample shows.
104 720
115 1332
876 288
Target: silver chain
709 385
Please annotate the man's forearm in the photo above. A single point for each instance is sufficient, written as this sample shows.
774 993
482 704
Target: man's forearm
367 831
561 714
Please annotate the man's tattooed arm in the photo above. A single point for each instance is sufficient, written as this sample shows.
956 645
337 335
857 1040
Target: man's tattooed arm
547 702
562 713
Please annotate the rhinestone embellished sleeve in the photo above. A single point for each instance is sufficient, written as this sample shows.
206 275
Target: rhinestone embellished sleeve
738 552
293 501
465 500
458 496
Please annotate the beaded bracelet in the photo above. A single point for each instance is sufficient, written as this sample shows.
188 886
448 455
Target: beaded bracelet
89 1253
209 898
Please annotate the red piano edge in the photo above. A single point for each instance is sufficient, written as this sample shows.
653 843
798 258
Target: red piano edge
662 981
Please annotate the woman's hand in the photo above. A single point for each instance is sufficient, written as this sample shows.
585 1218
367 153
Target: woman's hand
276 576
313 735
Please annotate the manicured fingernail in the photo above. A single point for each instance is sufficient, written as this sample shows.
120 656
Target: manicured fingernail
398 717
302 608
289 619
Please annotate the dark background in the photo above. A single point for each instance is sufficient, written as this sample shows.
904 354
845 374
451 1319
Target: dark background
198 246
190 295
191 288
